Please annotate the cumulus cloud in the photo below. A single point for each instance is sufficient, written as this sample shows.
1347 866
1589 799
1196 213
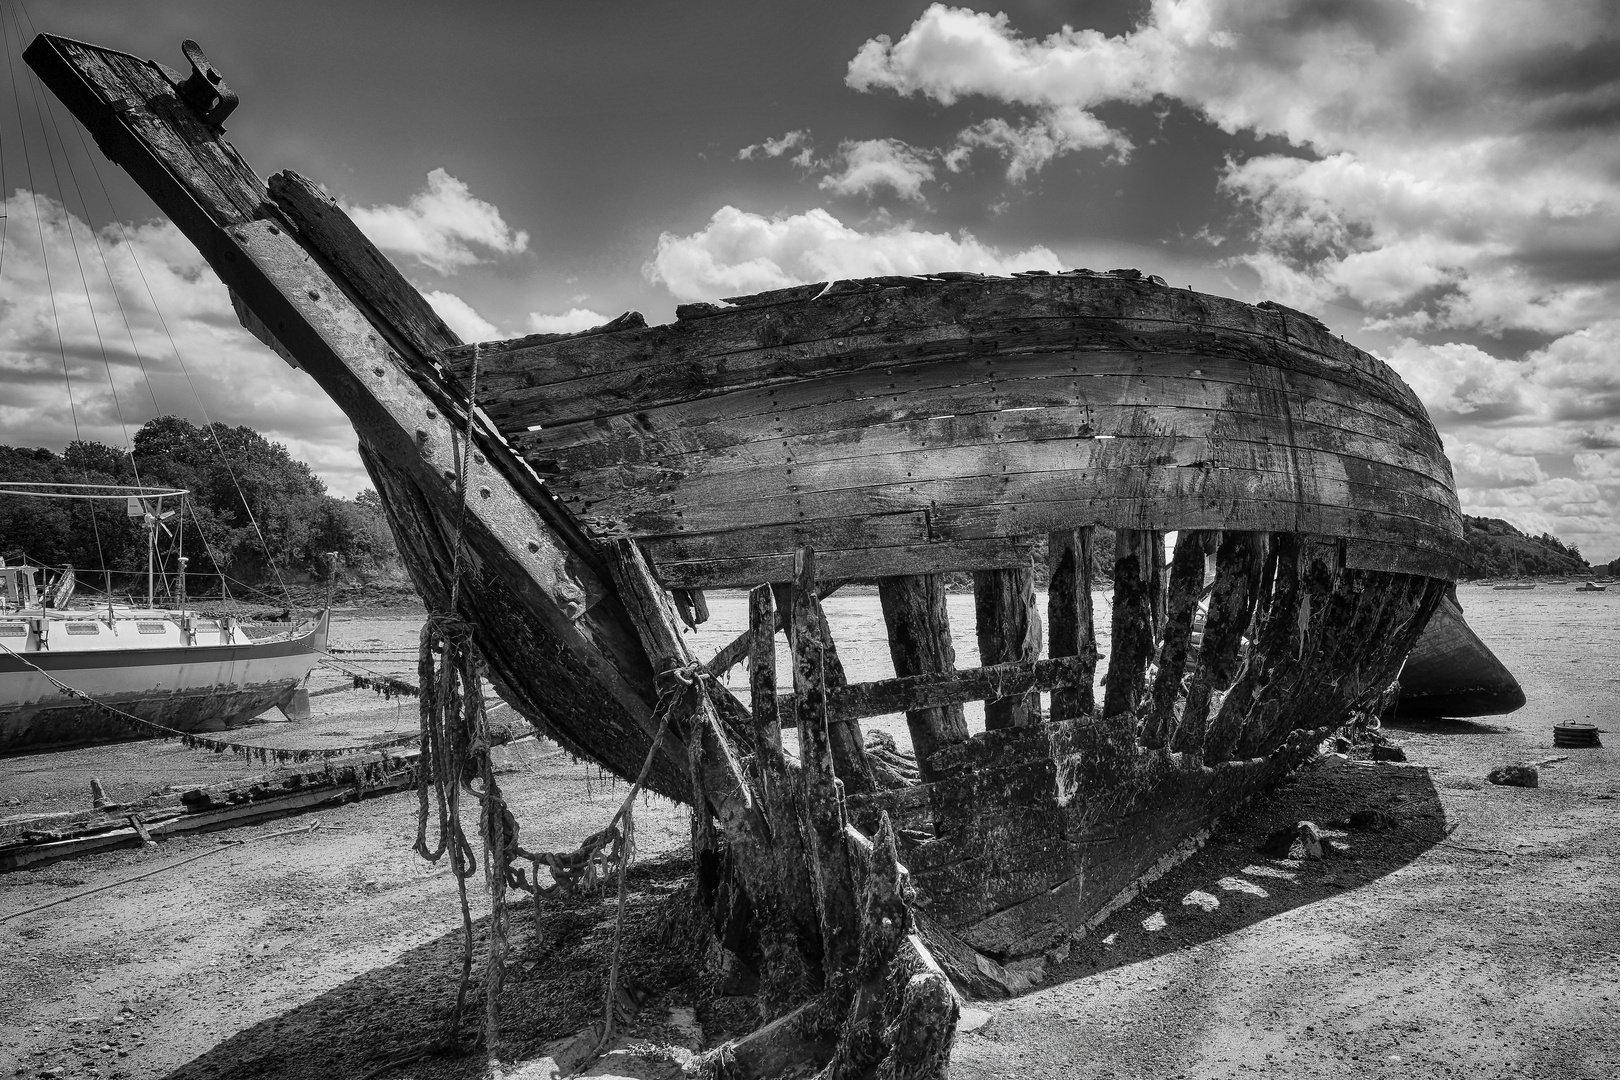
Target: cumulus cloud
1029 147
459 316
1487 466
953 53
124 361
869 165
772 148
1532 439
739 252
1459 161
444 227
569 322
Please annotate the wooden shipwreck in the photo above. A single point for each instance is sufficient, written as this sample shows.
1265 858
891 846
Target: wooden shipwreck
888 430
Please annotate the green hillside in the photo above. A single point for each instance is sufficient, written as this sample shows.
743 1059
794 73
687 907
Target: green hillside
1500 550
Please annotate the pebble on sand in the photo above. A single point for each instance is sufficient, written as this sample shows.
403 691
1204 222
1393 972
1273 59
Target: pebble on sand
1515 776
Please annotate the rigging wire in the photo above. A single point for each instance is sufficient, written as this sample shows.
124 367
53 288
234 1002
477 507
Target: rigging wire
106 267
78 259
5 193
173 345
45 260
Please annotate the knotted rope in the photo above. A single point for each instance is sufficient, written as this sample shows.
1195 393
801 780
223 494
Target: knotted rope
455 758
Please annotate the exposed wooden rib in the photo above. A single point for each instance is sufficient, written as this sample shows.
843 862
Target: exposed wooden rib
762 680
823 831
816 661
920 644
1252 704
1186 586
1154 556
1070 630
1132 629
739 647
1008 626
1231 605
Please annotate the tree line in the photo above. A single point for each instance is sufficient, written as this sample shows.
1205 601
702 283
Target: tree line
1497 549
237 478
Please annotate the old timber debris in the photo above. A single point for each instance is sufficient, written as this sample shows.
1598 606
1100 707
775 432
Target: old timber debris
893 430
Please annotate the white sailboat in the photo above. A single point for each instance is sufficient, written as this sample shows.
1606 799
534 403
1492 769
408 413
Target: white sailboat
71 675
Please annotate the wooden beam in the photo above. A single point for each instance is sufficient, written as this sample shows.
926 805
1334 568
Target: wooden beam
1009 631
1069 618
942 689
1231 607
762 680
812 642
924 556
1253 703
919 629
1157 584
733 653
1186 586
1132 628
831 872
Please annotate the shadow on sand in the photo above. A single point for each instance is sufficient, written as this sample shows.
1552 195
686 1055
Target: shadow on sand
1230 884
555 983
1443 727
554 987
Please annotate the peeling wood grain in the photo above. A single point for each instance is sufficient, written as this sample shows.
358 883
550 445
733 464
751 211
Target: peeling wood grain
920 644
1008 626
1069 617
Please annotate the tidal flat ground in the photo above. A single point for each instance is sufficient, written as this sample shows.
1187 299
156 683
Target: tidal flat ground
1475 937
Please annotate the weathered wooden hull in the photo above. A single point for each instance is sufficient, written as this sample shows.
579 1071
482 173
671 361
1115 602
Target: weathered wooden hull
890 429
194 688
903 425
1452 673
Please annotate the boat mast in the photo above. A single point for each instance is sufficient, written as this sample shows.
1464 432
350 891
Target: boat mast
151 550
180 551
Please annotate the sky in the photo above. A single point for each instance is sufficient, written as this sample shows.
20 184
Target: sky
1437 180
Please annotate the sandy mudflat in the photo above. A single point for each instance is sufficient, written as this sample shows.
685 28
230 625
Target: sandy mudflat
1475 938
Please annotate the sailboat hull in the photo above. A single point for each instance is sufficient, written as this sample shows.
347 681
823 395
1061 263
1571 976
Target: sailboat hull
191 689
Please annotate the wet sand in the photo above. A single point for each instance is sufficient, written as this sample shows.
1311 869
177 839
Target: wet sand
1474 939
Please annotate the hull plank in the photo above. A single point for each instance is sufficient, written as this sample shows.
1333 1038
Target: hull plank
555 380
